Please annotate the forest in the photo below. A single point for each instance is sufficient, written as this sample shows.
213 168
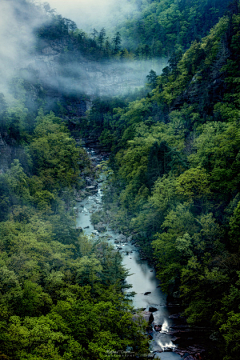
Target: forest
172 179
174 176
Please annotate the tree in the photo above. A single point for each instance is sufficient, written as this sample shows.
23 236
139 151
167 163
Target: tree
234 232
152 79
194 185
94 34
55 154
116 43
159 160
101 38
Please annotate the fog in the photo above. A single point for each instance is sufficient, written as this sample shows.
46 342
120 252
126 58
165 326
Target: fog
89 14
17 40
18 51
97 79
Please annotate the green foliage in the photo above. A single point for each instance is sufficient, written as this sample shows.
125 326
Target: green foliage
234 225
173 181
163 26
60 292
174 178
55 154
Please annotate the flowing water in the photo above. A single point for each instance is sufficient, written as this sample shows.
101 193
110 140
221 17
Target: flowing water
143 278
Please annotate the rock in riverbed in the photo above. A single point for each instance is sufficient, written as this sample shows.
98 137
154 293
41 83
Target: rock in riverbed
152 309
100 227
122 238
157 327
147 315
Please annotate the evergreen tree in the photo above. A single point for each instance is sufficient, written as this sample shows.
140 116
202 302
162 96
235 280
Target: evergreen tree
116 43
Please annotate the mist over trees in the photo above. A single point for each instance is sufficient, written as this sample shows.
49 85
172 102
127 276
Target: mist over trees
172 178
175 178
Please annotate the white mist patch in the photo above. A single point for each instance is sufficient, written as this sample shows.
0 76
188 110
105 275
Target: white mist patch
94 79
19 19
89 14
19 59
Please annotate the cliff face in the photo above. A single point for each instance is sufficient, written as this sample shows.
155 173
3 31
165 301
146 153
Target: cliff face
63 72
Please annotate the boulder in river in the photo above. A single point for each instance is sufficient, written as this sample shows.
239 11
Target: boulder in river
100 227
146 315
174 316
122 238
152 309
91 188
147 293
157 327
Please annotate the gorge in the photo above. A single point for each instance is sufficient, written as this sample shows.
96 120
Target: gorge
119 165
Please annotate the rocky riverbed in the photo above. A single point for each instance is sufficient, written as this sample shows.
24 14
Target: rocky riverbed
170 337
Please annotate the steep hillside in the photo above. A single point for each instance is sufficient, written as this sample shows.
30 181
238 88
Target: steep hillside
172 179
175 179
61 292
160 27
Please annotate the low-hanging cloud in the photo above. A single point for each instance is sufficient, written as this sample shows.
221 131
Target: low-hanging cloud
89 14
110 78
20 19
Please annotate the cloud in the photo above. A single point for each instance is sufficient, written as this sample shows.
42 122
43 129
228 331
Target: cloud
104 79
89 14
19 19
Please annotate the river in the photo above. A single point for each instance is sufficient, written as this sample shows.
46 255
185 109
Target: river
143 278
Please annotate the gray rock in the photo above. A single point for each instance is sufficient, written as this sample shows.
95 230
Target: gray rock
91 188
122 238
157 327
147 315
100 227
174 316
152 309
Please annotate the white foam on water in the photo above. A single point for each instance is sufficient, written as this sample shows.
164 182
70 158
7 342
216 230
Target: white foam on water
165 326
165 346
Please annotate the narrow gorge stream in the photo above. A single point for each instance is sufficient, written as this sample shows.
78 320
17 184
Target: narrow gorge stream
143 278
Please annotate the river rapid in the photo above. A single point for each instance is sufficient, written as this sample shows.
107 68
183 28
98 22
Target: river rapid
143 278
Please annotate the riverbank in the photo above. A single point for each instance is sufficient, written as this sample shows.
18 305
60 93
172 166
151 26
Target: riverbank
170 335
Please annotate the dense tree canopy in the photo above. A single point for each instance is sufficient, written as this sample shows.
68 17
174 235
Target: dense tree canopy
172 180
175 172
